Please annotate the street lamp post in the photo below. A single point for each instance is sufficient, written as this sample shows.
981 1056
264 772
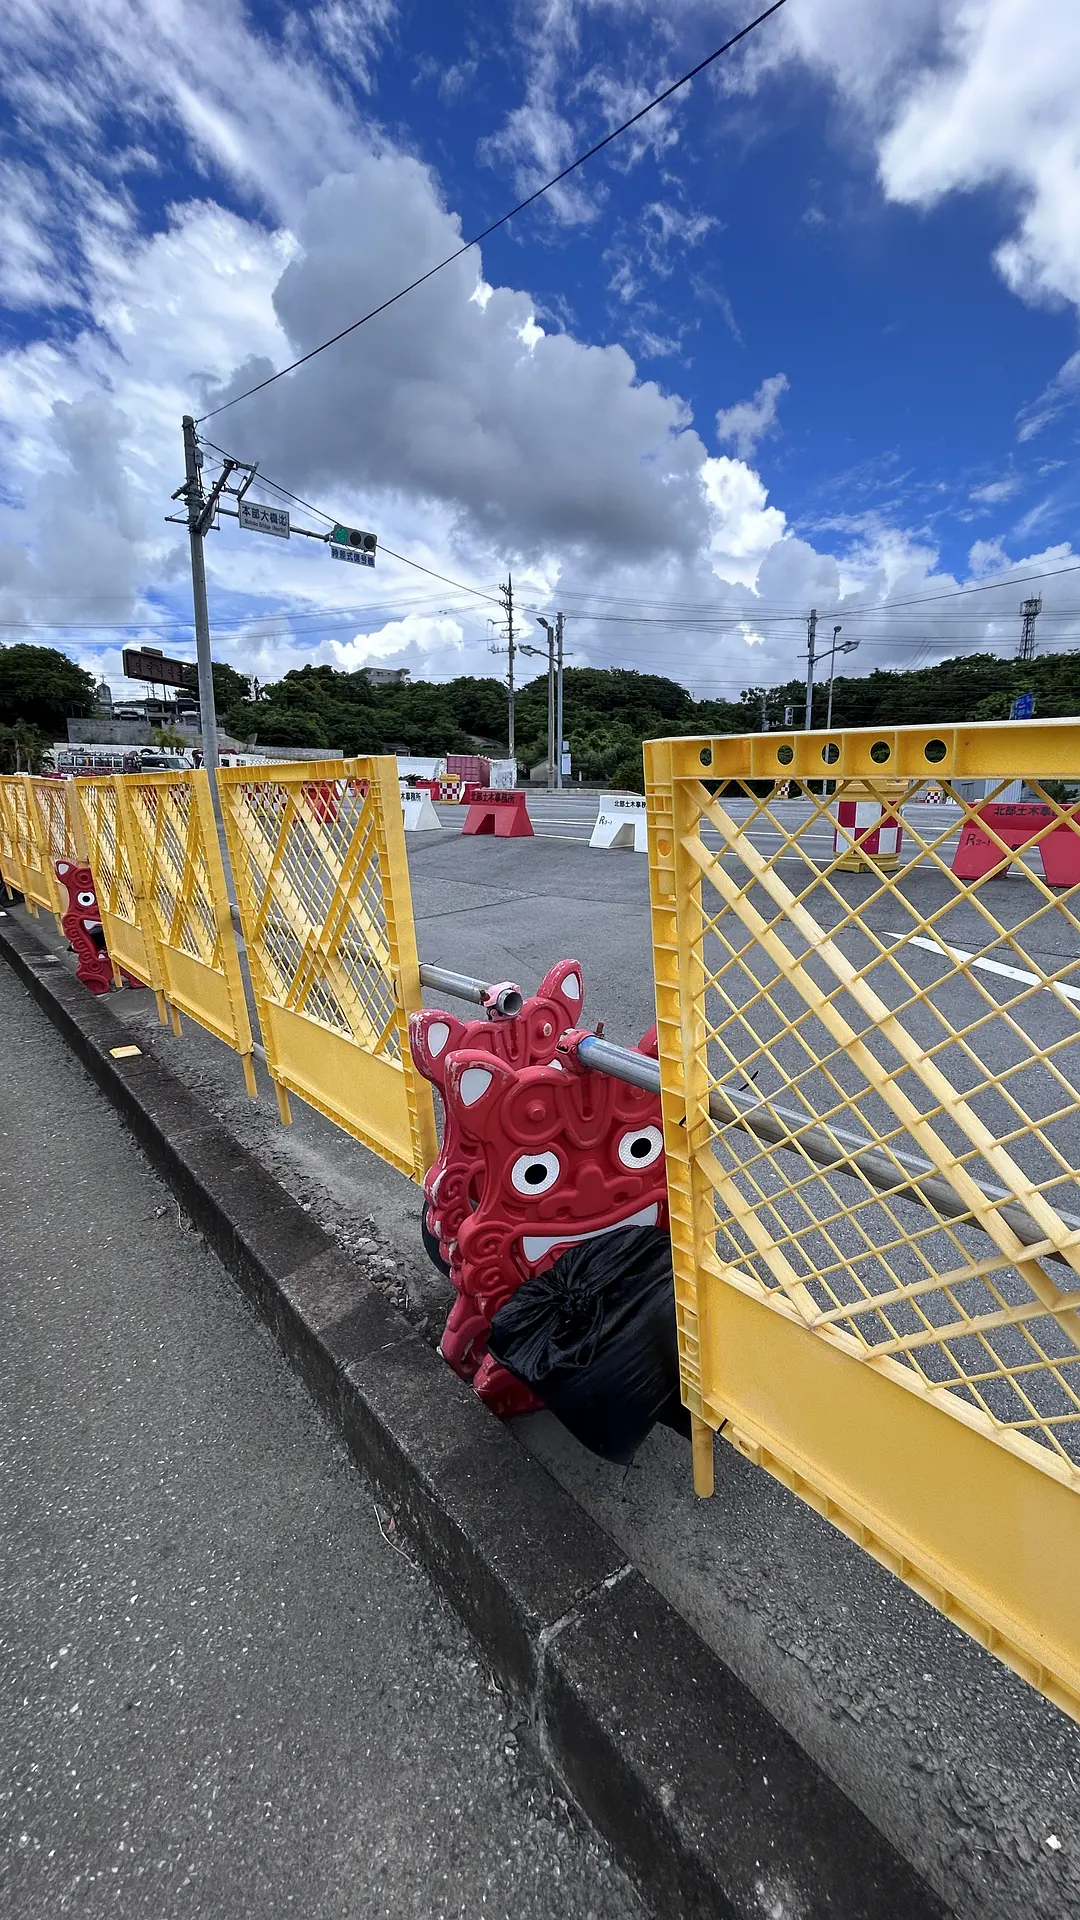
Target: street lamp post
549 629
846 646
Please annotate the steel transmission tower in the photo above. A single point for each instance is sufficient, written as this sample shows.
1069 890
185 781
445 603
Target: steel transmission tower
1029 613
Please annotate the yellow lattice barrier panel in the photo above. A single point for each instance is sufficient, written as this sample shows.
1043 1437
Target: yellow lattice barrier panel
318 858
24 855
10 865
58 815
34 824
871 1088
171 836
118 884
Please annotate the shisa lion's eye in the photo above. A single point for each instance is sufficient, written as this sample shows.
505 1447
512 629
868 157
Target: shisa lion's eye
535 1172
642 1148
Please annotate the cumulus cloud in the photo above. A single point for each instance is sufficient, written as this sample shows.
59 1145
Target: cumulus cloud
534 439
749 421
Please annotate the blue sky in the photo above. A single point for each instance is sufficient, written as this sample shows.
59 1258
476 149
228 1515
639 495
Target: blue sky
806 337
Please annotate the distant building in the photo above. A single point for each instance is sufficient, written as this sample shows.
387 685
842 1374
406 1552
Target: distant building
103 700
386 676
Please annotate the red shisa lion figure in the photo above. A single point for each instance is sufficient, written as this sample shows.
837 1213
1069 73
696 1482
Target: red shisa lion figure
525 1039
557 1155
81 921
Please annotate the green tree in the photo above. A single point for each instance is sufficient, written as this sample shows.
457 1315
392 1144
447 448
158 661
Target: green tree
42 687
231 688
21 748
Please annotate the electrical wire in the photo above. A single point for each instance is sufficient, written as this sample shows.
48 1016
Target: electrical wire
555 180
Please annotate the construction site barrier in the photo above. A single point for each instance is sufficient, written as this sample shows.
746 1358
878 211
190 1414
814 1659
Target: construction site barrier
872 1127
868 833
28 831
989 841
11 872
417 811
499 811
167 820
119 886
620 822
318 860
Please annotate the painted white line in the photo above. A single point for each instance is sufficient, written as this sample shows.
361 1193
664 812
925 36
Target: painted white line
986 966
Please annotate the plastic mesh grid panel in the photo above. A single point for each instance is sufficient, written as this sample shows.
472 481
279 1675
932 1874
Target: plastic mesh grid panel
322 883
169 820
879 1073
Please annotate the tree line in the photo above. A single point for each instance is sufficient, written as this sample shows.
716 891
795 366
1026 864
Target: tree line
609 711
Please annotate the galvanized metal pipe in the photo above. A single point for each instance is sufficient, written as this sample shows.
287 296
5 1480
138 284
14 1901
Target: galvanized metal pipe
781 1127
505 999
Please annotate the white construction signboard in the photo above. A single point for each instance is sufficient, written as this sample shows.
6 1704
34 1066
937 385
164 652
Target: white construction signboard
418 810
621 822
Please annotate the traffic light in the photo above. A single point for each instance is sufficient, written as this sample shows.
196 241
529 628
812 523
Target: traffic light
353 537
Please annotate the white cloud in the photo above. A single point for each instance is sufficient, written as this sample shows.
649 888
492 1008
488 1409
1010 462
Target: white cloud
995 491
986 556
1000 109
416 635
749 421
1062 391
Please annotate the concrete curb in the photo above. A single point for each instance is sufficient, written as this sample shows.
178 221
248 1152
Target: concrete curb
710 1807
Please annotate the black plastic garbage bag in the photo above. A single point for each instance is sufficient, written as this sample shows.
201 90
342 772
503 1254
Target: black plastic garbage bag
595 1337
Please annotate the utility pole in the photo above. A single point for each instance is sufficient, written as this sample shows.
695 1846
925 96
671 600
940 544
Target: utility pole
764 712
507 595
811 634
558 699
1029 613
201 508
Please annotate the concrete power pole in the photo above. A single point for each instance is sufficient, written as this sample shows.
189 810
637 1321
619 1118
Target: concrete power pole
558 699
811 634
199 512
1029 613
507 595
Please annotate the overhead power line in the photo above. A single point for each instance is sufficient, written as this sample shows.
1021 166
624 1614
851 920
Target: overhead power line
555 180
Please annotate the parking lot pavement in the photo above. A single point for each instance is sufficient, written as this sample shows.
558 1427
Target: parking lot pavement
226 1691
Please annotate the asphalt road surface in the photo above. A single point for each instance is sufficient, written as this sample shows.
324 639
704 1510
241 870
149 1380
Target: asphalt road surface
224 1689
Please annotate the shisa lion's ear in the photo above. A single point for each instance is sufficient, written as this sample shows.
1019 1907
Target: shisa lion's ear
477 1081
433 1035
563 983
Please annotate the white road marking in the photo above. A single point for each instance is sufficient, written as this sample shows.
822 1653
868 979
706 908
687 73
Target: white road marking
986 966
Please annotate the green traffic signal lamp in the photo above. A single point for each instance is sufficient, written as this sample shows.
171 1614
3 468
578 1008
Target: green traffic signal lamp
354 537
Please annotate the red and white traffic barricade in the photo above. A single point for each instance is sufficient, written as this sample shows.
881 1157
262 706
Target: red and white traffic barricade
499 811
448 792
1014 826
868 831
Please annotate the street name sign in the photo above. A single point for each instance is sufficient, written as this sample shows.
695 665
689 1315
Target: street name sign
258 519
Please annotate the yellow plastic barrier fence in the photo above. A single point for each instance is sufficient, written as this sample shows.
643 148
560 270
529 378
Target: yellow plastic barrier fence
318 860
27 842
871 1090
171 836
118 884
11 871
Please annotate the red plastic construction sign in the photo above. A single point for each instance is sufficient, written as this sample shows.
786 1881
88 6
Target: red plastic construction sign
1017 825
498 810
